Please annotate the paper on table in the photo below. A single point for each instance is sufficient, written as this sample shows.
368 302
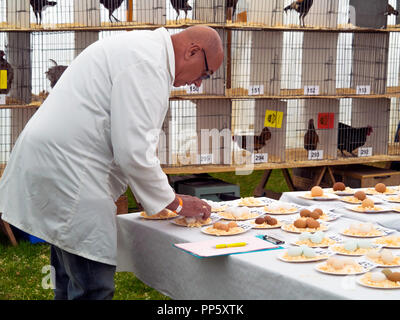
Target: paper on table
204 249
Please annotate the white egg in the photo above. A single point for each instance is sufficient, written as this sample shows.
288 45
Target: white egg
387 256
373 255
365 228
316 238
304 236
338 264
331 261
295 251
309 253
354 227
364 244
320 234
350 245
190 220
378 276
349 262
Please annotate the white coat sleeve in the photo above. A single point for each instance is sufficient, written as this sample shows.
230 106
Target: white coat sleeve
138 106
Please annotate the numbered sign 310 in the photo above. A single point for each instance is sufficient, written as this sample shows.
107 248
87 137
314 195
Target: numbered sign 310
365 152
260 157
315 154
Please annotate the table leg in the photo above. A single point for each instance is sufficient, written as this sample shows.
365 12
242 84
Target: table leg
288 179
7 230
259 191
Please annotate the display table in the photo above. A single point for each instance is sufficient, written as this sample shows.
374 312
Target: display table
145 247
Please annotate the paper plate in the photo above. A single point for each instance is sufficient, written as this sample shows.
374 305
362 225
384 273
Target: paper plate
244 228
364 266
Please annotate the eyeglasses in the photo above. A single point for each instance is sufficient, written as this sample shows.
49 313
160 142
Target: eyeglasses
208 73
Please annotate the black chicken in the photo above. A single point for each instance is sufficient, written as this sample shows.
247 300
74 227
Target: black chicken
302 7
390 10
349 138
311 138
4 65
39 6
231 4
54 73
258 141
181 5
111 6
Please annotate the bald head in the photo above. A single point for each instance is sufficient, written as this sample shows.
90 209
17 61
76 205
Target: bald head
196 48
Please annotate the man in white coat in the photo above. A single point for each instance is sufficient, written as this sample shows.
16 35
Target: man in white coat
89 141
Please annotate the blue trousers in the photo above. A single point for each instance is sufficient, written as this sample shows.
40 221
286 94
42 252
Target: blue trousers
78 278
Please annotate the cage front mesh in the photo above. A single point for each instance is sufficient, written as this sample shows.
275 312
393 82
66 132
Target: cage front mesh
281 85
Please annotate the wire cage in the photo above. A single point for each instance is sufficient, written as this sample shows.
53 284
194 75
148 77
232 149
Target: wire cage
278 89
317 14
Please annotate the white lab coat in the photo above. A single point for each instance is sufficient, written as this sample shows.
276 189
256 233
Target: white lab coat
88 141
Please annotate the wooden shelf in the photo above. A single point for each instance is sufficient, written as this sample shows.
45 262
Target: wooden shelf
68 27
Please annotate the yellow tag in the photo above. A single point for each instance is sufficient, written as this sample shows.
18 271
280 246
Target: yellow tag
3 79
273 119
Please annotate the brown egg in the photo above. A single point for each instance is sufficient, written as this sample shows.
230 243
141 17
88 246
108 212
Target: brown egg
259 220
360 195
311 223
394 276
319 211
217 225
305 213
316 191
314 215
224 227
367 203
300 223
380 187
272 221
339 186
232 224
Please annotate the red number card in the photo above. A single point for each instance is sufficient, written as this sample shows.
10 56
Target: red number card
326 120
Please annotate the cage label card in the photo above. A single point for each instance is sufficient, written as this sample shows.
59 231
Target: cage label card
315 154
273 119
326 120
256 90
260 157
363 90
365 152
2 99
311 90
205 159
193 89
3 79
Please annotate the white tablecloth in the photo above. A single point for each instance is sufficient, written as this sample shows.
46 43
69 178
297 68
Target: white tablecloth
145 247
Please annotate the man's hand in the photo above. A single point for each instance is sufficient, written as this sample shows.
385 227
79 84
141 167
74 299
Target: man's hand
192 207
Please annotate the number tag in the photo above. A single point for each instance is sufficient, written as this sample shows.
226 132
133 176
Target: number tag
315 154
365 152
193 89
260 157
311 90
2 99
363 90
205 159
256 90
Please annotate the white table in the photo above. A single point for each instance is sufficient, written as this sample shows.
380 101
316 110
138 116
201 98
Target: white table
145 247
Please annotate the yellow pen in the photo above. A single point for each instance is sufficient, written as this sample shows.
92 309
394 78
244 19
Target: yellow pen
230 245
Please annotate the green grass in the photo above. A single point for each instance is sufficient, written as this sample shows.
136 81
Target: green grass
21 266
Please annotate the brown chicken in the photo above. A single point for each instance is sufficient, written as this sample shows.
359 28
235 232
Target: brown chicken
258 141
4 65
181 5
302 7
311 138
390 10
54 73
231 4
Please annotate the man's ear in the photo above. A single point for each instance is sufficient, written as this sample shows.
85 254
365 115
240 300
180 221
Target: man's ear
192 50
